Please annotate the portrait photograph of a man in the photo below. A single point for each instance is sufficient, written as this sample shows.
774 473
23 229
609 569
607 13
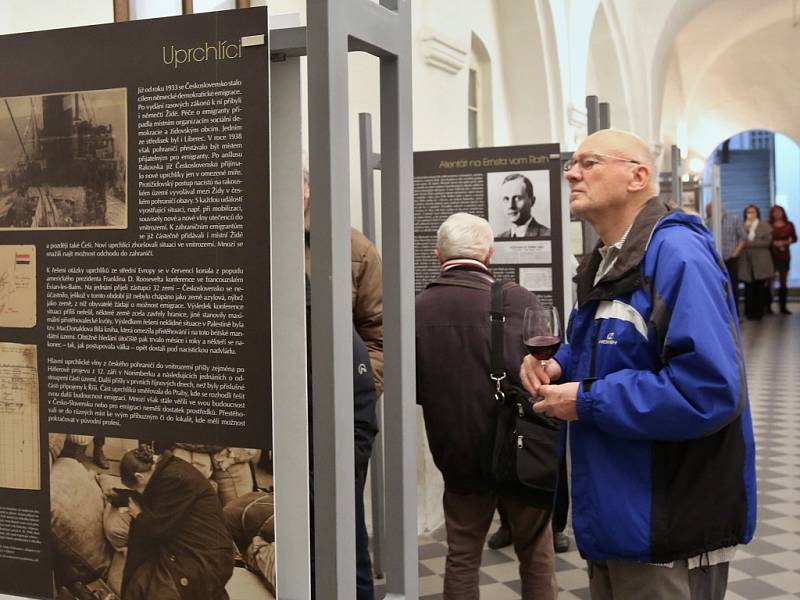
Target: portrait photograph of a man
519 204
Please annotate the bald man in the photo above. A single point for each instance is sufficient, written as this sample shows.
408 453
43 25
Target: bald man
652 383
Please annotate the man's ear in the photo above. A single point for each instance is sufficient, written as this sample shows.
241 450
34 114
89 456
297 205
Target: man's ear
438 255
640 178
489 254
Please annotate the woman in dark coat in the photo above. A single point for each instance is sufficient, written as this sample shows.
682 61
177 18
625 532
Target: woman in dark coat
178 545
755 263
783 235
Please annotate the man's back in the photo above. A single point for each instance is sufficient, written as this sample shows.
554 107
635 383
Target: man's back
453 385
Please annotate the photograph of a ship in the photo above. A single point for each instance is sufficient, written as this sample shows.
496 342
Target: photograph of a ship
63 161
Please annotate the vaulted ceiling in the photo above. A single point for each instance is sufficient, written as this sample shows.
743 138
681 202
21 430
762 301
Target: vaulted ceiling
731 66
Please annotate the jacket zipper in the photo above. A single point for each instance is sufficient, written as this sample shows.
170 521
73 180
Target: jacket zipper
593 362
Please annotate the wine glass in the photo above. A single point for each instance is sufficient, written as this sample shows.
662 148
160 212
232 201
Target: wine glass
541 332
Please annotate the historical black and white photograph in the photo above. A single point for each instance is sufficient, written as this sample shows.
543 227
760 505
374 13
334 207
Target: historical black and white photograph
140 520
63 161
519 204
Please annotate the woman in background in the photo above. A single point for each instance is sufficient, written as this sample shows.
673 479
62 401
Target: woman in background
755 263
783 234
178 545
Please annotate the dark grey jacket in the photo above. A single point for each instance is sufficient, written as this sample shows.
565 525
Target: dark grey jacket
755 261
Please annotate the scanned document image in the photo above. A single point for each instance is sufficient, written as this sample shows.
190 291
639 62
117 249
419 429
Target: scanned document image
19 417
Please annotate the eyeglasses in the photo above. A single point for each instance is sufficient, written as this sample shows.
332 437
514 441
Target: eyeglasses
587 161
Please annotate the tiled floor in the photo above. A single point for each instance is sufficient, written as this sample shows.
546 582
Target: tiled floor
766 569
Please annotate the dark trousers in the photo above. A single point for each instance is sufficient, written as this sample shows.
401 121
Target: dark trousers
364 586
755 294
561 508
629 580
467 520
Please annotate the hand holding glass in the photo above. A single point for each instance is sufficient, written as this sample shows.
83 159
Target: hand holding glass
541 332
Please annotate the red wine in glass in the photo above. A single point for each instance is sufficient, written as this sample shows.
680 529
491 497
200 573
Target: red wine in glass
543 347
541 332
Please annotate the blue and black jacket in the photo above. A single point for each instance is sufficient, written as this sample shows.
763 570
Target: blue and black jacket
663 464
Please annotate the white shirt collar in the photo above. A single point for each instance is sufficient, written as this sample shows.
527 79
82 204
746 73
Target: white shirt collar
610 254
618 244
521 230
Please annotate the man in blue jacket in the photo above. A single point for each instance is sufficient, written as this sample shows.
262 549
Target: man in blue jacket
652 381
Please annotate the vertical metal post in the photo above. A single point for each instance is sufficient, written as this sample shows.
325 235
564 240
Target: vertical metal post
592 114
677 186
397 221
331 317
605 115
716 208
187 6
242 3
369 162
289 401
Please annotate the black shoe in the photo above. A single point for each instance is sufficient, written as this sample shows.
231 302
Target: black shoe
560 541
785 311
500 538
99 458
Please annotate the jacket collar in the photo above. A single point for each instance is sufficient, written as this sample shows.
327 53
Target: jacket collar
464 263
468 271
624 276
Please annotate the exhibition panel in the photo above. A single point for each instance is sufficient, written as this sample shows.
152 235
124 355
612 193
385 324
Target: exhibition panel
134 219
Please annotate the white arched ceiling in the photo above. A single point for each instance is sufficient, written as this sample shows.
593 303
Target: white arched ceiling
719 26
662 20
754 84
605 72
731 69
525 74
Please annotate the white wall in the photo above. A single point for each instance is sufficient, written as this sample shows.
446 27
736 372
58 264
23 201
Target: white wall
22 15
787 192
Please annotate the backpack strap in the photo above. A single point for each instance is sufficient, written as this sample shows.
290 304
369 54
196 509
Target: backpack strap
497 318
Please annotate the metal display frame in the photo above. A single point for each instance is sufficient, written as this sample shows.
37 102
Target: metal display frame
383 30
371 162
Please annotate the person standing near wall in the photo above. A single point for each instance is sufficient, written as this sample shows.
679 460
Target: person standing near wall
652 382
783 235
755 263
